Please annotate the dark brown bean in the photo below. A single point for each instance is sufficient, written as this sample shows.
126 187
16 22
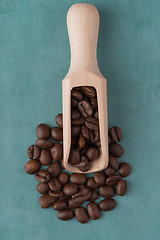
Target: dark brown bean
96 137
73 204
64 198
85 108
116 134
59 205
107 204
96 114
89 91
32 166
75 114
43 143
112 180
74 157
70 189
57 194
81 215
42 176
91 184
109 171
92 153
113 162
75 130
65 214
46 201
43 131
92 123
59 120
74 103
55 169
81 186
45 157
121 187
93 197
97 144
106 192
78 178
99 178
77 94
63 178
82 195
57 151
124 169
42 188
81 141
54 184
84 164
116 150
33 152
56 134
79 121
93 211
93 102
87 133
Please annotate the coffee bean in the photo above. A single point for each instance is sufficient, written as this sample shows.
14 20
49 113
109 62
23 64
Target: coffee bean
54 184
43 143
64 198
74 103
56 134
70 189
93 197
42 188
109 171
116 150
89 91
77 94
46 201
82 195
121 187
73 204
43 131
93 102
85 108
112 180
91 184
45 157
57 152
84 164
113 162
116 134
96 137
87 133
32 166
75 130
59 120
42 176
96 114
82 150
65 214
63 178
109 140
54 169
92 153
124 169
75 114
78 178
74 157
92 123
78 122
81 141
99 178
81 186
81 215
57 194
107 204
97 144
106 192
33 152
93 211
59 205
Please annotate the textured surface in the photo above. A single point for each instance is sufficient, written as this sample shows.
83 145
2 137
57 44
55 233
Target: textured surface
34 58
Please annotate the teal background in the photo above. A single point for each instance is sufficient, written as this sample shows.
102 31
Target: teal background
34 58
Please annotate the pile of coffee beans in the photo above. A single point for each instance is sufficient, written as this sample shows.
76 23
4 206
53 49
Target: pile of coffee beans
85 137
65 192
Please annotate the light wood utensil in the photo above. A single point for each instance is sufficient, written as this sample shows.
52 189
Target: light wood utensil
83 26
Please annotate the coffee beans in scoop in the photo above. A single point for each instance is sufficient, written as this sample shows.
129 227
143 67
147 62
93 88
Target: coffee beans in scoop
66 193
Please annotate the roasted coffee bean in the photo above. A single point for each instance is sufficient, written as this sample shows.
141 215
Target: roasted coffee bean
116 150
106 192
124 169
121 187
87 133
109 140
93 197
59 120
85 108
112 180
77 94
73 204
113 162
81 186
109 171
64 198
43 131
84 164
74 157
91 184
99 178
75 130
91 153
33 152
82 195
54 184
78 178
74 103
78 122
46 201
93 211
65 214
57 194
81 215
63 178
59 205
75 114
70 189
82 150
42 188
93 102
89 91
43 143
55 169
57 151
96 137
97 144
56 134
32 166
92 123
42 176
107 204
81 141
116 134
45 157
96 114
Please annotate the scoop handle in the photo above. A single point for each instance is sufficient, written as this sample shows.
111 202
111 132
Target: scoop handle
83 27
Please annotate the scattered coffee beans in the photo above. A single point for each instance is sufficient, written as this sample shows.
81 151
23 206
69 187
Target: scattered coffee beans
121 187
32 166
81 215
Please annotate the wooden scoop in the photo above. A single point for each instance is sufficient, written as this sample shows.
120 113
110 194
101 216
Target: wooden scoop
83 26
